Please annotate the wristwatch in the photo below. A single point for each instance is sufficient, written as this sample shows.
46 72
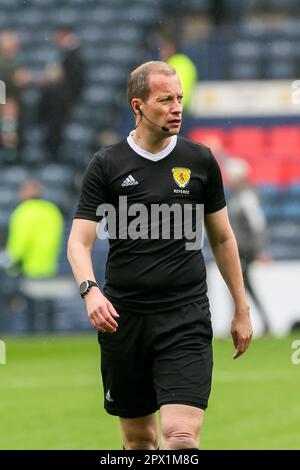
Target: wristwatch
85 287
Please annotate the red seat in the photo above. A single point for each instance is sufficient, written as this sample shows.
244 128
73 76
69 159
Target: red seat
247 142
284 142
205 135
267 173
291 172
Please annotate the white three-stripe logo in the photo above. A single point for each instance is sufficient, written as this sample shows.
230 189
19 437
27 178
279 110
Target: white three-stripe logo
129 181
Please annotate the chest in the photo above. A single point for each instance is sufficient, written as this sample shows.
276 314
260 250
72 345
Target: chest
171 180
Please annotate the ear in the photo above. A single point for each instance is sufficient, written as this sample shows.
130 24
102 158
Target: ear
135 105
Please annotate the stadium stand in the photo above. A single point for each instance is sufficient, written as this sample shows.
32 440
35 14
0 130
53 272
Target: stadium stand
113 35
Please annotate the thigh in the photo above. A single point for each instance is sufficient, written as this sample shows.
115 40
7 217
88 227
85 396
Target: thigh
126 367
183 357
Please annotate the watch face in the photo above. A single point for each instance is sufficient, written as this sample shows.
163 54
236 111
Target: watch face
84 287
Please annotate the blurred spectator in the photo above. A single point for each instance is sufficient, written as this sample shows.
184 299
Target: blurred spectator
72 64
219 12
104 138
184 67
61 88
225 12
248 223
33 247
15 78
52 109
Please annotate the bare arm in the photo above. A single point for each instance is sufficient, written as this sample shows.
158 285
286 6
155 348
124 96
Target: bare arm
81 240
224 247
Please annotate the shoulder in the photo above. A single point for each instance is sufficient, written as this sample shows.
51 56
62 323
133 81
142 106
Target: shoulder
109 152
195 149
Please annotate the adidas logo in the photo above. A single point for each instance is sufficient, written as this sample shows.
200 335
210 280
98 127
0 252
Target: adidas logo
129 181
108 396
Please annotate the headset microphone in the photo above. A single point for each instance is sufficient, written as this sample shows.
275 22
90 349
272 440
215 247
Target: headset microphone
163 128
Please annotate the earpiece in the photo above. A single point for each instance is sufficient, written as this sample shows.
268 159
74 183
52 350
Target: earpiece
163 128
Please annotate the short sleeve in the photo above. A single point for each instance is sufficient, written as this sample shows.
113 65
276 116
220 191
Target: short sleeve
93 191
214 193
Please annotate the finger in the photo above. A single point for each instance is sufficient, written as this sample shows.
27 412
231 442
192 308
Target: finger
108 327
105 319
240 349
109 321
237 354
112 310
235 338
96 326
100 322
248 341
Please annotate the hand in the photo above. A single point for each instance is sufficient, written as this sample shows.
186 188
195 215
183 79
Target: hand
100 311
241 330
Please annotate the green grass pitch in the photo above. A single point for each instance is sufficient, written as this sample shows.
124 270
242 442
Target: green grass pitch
51 396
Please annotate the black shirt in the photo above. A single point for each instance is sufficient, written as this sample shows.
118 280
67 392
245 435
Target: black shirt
147 275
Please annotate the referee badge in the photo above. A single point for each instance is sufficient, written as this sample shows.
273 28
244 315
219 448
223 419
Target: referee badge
181 176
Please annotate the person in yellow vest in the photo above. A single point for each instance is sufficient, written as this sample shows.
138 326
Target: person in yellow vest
34 242
184 66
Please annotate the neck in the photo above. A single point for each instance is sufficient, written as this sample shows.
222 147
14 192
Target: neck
153 143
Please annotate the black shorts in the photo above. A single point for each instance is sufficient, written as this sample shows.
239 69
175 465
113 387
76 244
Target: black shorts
156 359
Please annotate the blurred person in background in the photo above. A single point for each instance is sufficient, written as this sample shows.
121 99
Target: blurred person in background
153 317
61 87
184 67
68 44
249 225
33 247
15 78
52 109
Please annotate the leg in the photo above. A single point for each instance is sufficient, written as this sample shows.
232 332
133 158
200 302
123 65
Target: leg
126 367
182 374
180 426
140 433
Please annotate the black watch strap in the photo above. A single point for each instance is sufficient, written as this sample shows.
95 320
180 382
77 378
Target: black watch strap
85 287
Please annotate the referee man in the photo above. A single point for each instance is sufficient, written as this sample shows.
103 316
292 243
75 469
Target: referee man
157 190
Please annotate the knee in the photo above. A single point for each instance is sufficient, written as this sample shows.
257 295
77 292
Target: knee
180 436
146 440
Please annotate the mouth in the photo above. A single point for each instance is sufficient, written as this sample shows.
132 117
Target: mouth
175 122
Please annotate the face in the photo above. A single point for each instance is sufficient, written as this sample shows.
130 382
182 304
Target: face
9 43
164 104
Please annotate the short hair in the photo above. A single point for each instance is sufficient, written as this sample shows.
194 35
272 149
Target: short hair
138 80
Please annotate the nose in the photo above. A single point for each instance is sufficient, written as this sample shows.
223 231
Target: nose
176 108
